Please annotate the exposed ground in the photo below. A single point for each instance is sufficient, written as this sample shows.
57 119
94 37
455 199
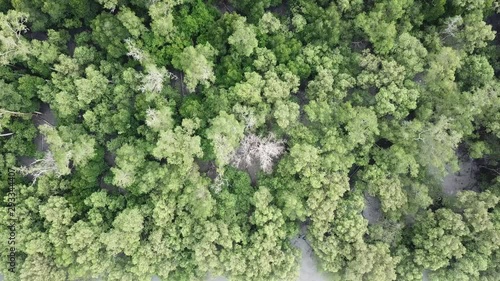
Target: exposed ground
425 275
308 265
47 117
208 168
372 211
464 179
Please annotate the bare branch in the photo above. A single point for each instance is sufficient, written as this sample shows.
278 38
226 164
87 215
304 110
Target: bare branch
153 80
41 167
255 150
452 26
134 51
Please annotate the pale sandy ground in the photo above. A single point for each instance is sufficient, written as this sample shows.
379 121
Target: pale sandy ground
464 179
308 268
425 276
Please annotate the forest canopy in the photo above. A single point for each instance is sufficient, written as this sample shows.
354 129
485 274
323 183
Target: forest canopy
186 138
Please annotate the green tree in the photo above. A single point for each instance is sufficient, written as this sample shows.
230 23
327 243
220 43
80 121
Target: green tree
437 238
131 22
437 144
225 134
243 38
125 234
109 33
388 189
197 65
179 146
410 53
14 45
286 113
68 144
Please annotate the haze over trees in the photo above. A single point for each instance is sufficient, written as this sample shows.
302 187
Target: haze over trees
197 138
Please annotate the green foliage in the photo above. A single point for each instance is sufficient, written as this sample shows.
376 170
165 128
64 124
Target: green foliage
109 33
323 24
243 38
225 134
437 238
476 72
47 14
410 53
389 190
178 146
138 129
432 10
197 65
253 9
14 46
125 234
68 144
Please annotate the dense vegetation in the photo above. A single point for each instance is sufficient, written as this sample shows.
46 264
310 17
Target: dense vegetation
196 138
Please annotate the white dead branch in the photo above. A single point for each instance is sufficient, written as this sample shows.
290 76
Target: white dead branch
258 151
40 167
